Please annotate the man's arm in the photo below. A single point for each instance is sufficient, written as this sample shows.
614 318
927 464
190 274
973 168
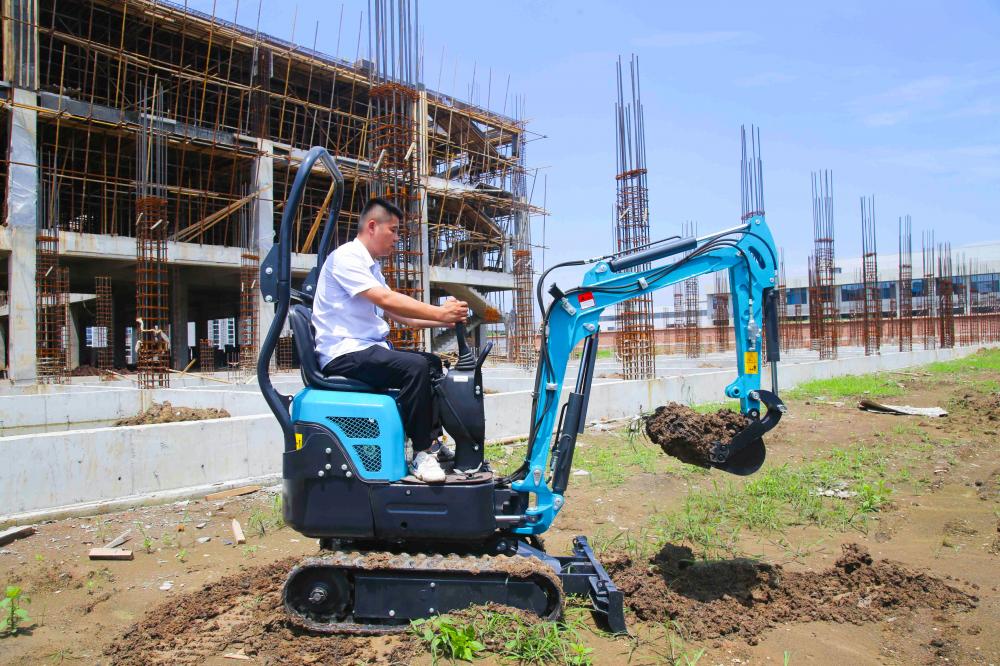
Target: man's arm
401 307
418 323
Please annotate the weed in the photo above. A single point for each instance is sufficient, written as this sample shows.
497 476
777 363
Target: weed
271 518
250 551
147 541
39 557
872 496
167 541
677 652
447 637
513 638
12 612
181 555
60 656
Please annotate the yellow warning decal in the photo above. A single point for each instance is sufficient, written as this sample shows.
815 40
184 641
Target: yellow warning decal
750 365
298 441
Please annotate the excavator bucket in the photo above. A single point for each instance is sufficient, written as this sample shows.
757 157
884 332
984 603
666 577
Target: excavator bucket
745 453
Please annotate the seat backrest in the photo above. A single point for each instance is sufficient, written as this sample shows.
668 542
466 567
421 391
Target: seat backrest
304 335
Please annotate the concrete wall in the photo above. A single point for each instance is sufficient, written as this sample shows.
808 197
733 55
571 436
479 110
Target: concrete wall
87 470
87 467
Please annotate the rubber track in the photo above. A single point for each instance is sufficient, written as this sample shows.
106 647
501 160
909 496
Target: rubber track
511 566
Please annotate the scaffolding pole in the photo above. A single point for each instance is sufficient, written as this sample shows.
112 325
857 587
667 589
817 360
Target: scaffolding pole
871 292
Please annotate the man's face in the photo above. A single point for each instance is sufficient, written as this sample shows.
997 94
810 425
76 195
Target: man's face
385 237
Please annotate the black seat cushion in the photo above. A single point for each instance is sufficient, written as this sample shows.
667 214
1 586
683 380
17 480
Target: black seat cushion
300 317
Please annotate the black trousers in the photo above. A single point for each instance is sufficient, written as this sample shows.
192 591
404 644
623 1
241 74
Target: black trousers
409 371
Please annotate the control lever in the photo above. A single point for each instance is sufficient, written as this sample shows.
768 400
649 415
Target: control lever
466 359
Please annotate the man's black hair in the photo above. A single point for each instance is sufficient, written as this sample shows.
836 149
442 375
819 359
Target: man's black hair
379 202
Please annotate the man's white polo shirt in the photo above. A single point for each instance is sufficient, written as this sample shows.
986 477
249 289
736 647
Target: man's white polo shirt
344 320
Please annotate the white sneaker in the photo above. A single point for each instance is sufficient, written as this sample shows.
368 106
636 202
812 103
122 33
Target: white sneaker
427 468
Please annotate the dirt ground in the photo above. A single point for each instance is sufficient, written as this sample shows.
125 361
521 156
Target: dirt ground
913 583
164 412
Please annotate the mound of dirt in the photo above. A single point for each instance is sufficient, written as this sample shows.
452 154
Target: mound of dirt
743 597
243 614
689 436
166 413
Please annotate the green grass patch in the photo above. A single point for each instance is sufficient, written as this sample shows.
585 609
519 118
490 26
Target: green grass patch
613 458
712 407
511 637
712 519
984 359
848 386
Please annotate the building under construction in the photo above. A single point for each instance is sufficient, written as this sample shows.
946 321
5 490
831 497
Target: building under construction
150 149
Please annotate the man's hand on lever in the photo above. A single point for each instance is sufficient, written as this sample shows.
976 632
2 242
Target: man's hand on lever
454 311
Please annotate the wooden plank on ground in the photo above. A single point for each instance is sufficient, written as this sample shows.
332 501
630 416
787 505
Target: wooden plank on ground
232 492
110 554
119 540
15 533
238 532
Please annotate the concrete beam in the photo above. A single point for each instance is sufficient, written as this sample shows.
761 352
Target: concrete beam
472 278
122 248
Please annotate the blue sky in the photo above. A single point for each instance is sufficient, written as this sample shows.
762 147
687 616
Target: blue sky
900 99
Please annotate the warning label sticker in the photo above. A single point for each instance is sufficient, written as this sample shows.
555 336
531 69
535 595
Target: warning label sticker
750 363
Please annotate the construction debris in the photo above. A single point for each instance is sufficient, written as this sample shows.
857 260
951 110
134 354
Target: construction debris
110 554
232 492
238 532
870 405
14 533
119 540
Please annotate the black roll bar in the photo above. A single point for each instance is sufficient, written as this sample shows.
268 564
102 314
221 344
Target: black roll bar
276 271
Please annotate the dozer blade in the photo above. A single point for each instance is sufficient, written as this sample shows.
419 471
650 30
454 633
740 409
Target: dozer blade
367 593
745 453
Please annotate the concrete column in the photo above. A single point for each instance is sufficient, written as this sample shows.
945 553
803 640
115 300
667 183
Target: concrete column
22 219
72 337
3 348
264 213
178 319
423 169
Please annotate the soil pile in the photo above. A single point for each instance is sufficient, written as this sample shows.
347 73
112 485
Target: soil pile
743 597
166 413
243 614
689 436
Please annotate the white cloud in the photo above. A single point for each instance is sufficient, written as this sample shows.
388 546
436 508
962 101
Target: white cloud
977 161
929 96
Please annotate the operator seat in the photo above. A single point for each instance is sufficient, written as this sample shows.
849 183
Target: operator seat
300 317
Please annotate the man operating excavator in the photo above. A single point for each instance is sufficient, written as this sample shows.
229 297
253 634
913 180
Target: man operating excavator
351 296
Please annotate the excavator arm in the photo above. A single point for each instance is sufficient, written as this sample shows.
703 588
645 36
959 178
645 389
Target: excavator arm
748 253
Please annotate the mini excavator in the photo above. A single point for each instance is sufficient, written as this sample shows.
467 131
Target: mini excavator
393 549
